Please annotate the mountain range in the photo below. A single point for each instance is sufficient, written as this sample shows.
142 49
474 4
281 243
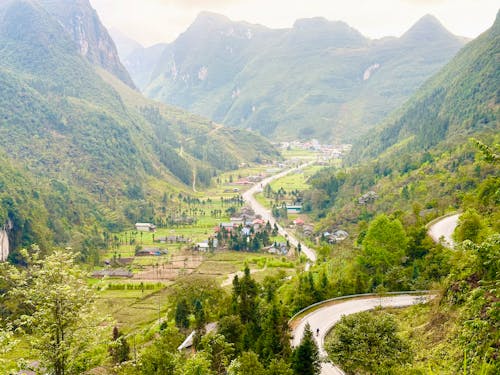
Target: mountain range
460 101
319 78
80 144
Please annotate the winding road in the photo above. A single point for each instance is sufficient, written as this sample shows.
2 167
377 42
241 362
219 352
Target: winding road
248 196
444 228
325 317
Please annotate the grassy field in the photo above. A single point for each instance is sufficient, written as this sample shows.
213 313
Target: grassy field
297 180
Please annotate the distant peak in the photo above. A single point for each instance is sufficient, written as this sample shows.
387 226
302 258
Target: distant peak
427 27
319 23
205 16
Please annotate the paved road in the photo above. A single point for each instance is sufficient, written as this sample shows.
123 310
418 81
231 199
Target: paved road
325 318
248 196
444 228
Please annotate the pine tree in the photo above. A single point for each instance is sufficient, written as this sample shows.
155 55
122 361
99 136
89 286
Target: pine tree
119 348
305 358
182 314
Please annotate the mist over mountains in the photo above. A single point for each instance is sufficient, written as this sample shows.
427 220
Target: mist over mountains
319 78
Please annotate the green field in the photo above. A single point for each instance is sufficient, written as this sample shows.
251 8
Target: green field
297 180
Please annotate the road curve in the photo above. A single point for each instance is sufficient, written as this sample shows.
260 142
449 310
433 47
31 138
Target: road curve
444 228
324 318
248 196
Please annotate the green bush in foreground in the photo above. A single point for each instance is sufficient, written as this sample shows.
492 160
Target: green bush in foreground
367 344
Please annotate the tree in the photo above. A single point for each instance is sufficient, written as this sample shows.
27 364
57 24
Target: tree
61 314
200 321
218 351
279 367
245 293
198 364
470 227
231 328
274 340
305 358
247 364
182 314
119 348
384 246
162 357
367 343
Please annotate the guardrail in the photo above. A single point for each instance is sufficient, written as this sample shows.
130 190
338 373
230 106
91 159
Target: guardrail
352 296
434 221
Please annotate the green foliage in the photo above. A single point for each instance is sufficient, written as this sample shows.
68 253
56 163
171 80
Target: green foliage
219 352
162 357
61 318
470 227
247 364
199 364
384 247
182 314
305 357
279 367
231 328
119 348
365 343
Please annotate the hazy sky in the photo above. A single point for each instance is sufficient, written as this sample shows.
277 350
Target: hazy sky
153 21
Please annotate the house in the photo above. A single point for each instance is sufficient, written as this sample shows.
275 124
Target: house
113 272
307 229
145 227
299 222
340 235
367 198
188 342
205 245
160 239
154 251
237 221
202 246
278 248
336 237
294 209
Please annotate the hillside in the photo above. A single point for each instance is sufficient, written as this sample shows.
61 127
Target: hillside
317 79
81 23
461 100
421 158
83 143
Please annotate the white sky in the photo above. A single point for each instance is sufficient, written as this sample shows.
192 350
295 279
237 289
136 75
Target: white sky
154 21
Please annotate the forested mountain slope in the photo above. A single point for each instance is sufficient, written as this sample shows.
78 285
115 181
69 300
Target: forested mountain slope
83 148
318 79
461 100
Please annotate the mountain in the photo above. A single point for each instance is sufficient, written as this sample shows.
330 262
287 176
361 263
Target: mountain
81 148
82 24
124 44
138 60
460 101
142 61
318 79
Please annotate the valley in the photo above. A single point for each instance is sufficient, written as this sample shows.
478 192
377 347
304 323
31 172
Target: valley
187 208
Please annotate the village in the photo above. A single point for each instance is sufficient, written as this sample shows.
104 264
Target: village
195 230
